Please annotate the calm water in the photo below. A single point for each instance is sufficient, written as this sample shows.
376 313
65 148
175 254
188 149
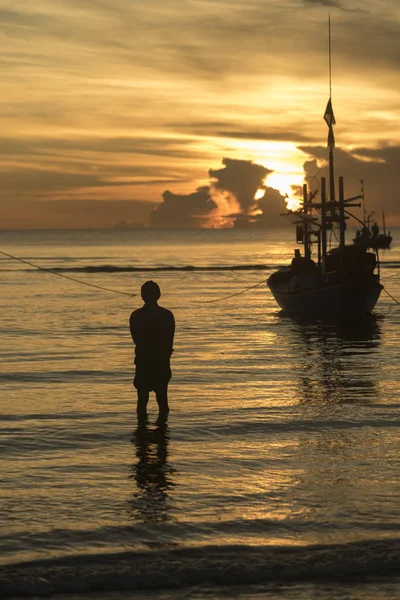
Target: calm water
279 466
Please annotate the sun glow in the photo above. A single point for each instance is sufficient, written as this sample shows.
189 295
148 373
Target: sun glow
284 182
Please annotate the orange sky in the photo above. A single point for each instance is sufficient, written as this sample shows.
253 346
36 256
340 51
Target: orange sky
108 105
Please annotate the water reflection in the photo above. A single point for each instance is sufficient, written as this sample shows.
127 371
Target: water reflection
336 368
338 359
153 475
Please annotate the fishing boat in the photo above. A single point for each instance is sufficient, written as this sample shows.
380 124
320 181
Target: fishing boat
371 237
340 280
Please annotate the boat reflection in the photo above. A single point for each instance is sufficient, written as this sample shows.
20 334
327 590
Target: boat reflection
339 359
153 475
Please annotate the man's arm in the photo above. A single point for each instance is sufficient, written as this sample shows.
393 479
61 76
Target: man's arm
172 332
132 327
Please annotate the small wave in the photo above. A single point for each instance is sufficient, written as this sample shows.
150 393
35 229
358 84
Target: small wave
204 566
120 269
94 376
169 268
58 416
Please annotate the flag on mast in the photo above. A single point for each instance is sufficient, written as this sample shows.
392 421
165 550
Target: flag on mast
329 119
329 116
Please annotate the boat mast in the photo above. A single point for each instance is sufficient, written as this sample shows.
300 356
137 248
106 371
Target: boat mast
332 205
323 219
363 202
331 139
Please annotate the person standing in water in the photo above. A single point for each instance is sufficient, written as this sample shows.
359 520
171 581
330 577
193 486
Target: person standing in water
375 229
152 329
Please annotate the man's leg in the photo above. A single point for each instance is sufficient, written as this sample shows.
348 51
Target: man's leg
142 401
162 401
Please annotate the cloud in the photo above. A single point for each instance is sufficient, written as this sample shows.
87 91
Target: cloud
36 146
95 93
332 4
39 167
378 168
26 180
24 19
265 136
242 178
270 208
238 131
184 210
229 200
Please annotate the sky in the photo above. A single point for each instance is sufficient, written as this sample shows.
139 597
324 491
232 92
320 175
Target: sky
192 113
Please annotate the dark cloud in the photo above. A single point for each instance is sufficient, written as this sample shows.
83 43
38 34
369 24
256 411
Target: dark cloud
64 214
272 205
13 18
233 130
184 210
270 208
265 136
154 146
210 43
209 205
333 4
48 167
378 168
25 180
242 178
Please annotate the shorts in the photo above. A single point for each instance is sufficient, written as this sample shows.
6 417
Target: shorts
151 375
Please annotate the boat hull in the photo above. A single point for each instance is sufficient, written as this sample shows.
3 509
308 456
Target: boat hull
381 242
337 298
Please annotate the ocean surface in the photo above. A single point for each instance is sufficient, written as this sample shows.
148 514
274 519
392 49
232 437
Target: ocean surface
277 474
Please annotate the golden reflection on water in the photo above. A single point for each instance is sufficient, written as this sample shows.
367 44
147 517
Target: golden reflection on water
280 430
337 373
336 485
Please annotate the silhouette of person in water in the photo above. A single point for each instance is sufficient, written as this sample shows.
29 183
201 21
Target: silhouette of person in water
152 329
375 229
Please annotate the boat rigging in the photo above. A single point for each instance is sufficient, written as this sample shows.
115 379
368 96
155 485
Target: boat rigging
341 280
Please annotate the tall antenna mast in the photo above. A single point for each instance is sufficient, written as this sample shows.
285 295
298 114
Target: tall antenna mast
330 60
330 121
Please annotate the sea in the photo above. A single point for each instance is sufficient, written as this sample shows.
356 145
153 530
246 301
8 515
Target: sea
277 473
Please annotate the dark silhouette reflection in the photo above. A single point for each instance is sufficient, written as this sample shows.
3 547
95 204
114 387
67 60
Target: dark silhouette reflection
152 473
339 359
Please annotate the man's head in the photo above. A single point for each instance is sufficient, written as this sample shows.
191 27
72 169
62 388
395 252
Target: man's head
150 291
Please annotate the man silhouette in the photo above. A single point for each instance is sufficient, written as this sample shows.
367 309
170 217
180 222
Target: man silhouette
152 329
375 229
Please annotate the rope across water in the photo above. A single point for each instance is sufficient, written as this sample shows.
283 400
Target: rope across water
252 287
93 285
100 287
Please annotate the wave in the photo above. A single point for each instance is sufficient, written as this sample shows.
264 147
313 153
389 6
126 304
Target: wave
119 269
202 566
390 264
93 375
166 268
